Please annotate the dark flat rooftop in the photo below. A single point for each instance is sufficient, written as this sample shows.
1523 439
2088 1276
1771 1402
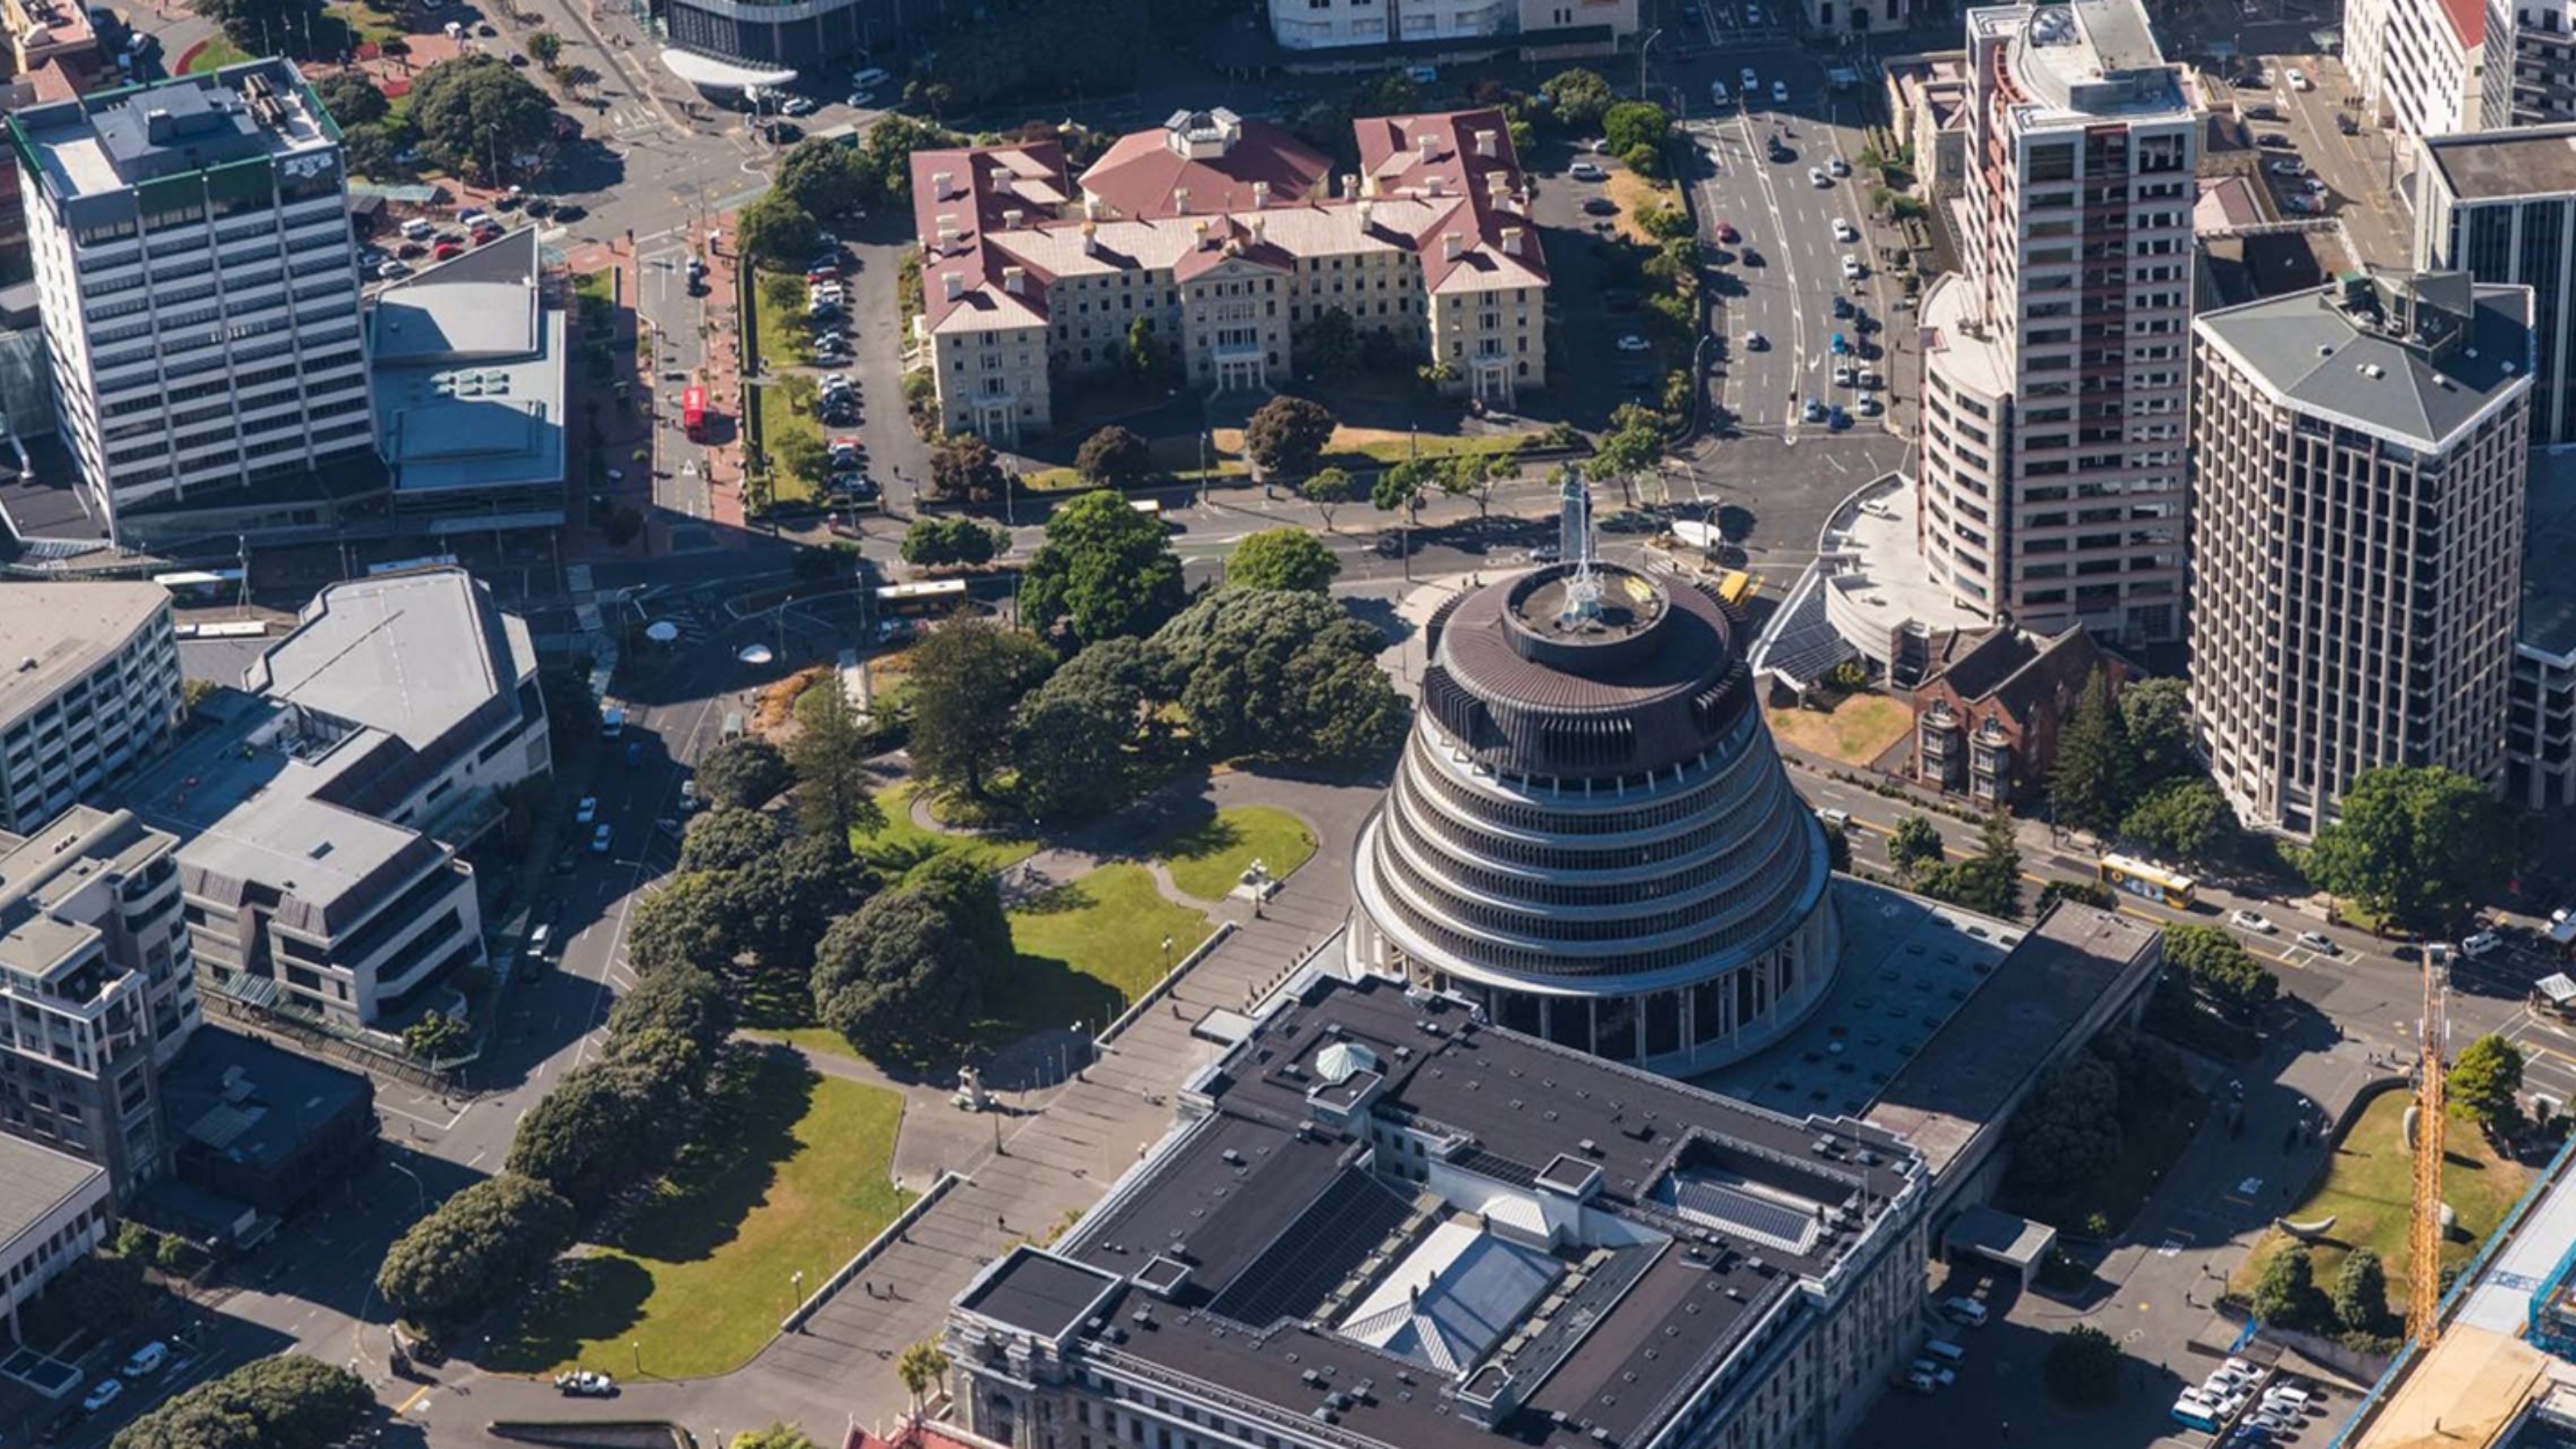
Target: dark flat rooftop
2520 161
2549 540
1038 1292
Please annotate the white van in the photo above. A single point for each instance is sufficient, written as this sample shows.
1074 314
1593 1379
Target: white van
1717 93
1946 1351
1835 819
1967 1310
417 229
2296 1398
540 941
147 1360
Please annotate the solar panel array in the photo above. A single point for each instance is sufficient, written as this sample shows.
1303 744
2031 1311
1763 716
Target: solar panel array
1719 1206
1343 1225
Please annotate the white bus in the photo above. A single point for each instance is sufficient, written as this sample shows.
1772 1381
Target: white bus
204 585
922 600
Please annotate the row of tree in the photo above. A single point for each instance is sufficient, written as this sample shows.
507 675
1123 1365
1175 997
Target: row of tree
2287 1296
2075 1123
469 115
2221 971
2124 771
1988 882
603 1129
821 180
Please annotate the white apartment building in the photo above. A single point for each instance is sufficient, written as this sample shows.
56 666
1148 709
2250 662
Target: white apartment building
91 687
199 284
2357 535
2420 66
2529 69
1553 24
2051 462
97 988
324 808
1222 236
54 1208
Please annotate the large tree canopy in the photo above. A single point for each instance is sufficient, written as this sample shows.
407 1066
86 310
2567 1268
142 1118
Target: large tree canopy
967 677
479 1246
1287 436
745 771
899 976
473 112
1282 558
1282 673
2090 783
2415 844
1104 570
288 1401
2068 1128
1071 738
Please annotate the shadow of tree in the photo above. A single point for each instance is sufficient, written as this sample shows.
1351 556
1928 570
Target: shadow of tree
591 1299
1040 992
728 1170
1063 900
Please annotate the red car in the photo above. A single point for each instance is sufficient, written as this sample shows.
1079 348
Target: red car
445 250
1726 232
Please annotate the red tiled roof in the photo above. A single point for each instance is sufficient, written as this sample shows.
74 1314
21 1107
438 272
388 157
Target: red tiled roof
1142 174
2468 21
918 1434
984 185
1467 154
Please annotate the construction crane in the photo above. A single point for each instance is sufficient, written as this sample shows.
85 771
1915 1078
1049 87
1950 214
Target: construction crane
2424 1278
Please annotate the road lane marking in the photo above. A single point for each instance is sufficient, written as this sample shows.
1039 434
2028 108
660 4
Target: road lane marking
417 1395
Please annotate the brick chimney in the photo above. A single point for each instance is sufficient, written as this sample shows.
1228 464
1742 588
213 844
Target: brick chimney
1485 144
940 181
1451 244
1015 280
1260 194
1181 200
1428 144
1091 238
1511 241
1350 187
1013 217
952 285
1368 215
1432 185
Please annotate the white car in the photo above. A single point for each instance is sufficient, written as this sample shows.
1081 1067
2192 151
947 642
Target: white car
600 839
1816 176
1779 93
2315 185
587 811
1870 406
2298 78
869 79
2254 921
2316 941
861 101
2287 167
1843 231
1851 267
797 106
102 1394
1839 166
1752 81
2478 943
1717 93
1756 342
1633 343
1586 171
1842 374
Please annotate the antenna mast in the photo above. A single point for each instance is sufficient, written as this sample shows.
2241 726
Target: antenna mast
1574 545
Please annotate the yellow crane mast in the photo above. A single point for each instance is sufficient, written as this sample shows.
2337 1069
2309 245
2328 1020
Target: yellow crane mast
2423 1306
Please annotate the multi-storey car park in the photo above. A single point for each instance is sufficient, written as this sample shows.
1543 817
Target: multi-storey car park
1380 1222
2054 369
2357 528
1590 832
199 283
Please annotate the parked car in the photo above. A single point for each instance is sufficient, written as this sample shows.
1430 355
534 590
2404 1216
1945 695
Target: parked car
2316 941
1752 80
1600 206
869 79
1587 171
1843 232
146 1361
445 250
2297 78
601 839
1813 412
1779 93
2275 141
1838 166
101 1394
797 106
2478 943
1633 343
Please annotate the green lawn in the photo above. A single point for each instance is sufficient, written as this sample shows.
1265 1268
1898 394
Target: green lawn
699 1278
1086 949
903 842
213 55
1208 859
2370 1189
779 331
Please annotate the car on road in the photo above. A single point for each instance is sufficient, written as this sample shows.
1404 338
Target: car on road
1727 233
1851 268
1749 257
101 1394
2275 141
570 211
1840 344
1752 80
1587 171
2478 943
585 1383
146 1361
1838 166
1870 406
1600 206
1813 412
390 270
601 838
2287 166
1756 342
1779 93
1844 233
2316 941
587 811
1545 553
1816 177
2261 111
2254 921
1633 343
2297 78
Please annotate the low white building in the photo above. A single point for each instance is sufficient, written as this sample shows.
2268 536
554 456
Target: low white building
1333 24
91 689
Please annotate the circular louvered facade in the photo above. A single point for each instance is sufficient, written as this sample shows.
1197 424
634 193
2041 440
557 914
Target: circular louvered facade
1590 832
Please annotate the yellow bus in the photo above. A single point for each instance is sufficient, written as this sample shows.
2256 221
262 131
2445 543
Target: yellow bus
2146 878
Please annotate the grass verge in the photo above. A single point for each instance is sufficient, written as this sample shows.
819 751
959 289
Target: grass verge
212 54
1088 948
1208 859
904 842
779 421
2369 1191
792 1179
1855 731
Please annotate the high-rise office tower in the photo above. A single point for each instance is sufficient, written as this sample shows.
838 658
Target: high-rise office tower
2053 409
2357 528
200 292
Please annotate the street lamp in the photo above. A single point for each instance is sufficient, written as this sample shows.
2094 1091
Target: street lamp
639 1358
1651 37
795 1289
421 1192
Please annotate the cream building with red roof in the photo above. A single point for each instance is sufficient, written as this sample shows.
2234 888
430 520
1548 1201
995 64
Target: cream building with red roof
2420 66
1222 237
